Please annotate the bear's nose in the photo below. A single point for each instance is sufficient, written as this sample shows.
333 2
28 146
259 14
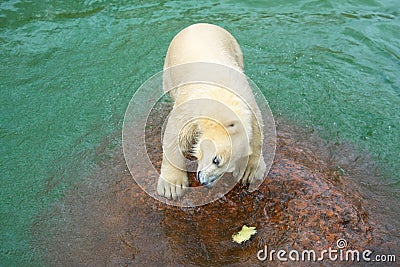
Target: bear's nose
201 179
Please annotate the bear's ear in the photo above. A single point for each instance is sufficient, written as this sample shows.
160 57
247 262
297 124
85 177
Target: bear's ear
232 126
188 136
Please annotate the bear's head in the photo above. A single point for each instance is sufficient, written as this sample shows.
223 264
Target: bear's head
219 138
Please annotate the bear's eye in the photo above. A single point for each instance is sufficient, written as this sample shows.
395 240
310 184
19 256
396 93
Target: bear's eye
216 161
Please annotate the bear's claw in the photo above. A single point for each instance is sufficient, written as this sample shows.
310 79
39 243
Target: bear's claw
172 189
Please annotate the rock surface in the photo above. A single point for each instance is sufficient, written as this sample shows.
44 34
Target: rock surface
307 201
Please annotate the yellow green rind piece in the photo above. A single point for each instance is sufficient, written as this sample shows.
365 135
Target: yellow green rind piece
244 234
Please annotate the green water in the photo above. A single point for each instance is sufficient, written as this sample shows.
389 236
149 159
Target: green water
69 68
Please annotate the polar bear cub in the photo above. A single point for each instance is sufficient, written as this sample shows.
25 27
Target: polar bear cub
221 128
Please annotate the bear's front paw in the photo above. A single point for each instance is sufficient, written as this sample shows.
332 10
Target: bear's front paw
173 185
239 170
255 172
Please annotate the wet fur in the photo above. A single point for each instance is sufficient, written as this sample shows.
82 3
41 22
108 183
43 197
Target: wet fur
230 125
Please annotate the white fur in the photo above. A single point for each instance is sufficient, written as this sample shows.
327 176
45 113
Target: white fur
208 120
